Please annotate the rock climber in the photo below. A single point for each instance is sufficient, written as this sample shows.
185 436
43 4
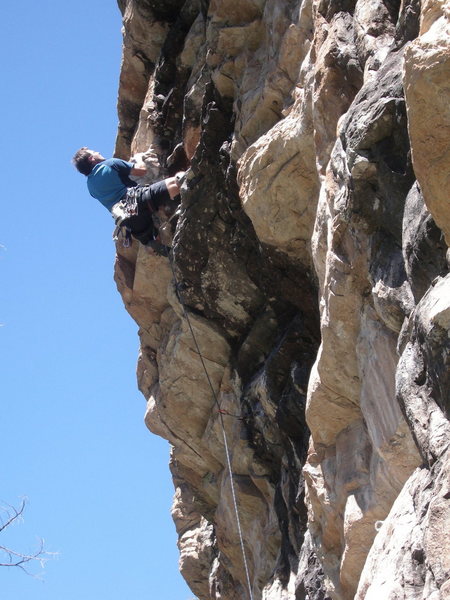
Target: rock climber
132 206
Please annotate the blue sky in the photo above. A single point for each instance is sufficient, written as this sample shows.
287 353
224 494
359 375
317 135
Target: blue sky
72 435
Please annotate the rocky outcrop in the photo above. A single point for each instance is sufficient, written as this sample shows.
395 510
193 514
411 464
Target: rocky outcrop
305 306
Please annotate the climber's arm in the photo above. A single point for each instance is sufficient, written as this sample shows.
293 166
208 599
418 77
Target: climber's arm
138 171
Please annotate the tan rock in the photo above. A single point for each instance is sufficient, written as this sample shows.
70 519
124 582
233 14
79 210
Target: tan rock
141 284
430 11
426 76
267 77
333 47
310 100
279 185
193 44
359 532
142 42
374 33
196 547
410 550
144 138
388 431
184 387
423 370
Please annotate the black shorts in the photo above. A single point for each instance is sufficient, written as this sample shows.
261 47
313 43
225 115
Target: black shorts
155 194
149 199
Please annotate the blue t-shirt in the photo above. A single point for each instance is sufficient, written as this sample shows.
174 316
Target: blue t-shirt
108 181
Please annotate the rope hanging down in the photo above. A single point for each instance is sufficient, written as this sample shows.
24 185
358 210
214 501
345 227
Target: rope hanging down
225 440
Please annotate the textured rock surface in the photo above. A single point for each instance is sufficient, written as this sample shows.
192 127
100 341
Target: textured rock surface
311 257
427 88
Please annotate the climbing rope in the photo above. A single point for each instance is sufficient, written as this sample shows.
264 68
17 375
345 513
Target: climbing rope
221 413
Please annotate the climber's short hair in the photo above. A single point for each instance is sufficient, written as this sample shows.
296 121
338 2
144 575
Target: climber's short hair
82 160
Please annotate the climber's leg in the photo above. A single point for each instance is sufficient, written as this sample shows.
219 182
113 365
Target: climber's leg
164 195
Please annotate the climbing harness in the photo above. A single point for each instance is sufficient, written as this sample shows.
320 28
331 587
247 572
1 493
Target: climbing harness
221 412
158 235
125 208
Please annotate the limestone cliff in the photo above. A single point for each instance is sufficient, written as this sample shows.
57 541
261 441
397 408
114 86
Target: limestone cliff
311 254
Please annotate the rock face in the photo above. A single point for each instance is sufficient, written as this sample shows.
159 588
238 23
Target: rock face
305 309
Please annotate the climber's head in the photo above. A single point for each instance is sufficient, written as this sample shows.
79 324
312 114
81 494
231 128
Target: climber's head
86 159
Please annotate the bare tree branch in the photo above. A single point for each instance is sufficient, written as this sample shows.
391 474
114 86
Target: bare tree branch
12 514
12 558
